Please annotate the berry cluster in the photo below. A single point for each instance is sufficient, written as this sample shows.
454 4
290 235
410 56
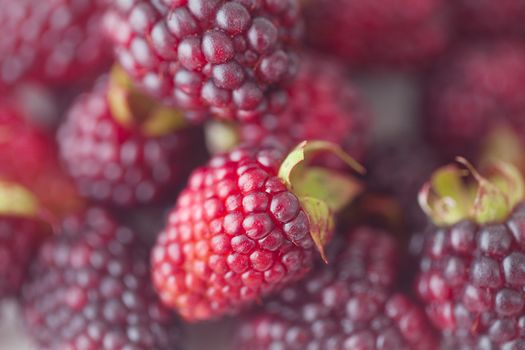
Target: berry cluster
171 162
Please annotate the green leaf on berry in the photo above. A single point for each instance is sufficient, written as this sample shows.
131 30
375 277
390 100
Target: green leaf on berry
450 197
321 221
221 136
16 200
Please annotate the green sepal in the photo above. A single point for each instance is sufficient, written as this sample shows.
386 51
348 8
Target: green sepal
16 200
322 192
133 108
321 221
450 198
332 187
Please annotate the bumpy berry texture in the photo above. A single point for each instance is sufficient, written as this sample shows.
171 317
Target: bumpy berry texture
322 105
391 33
90 289
476 89
472 280
235 235
489 17
19 241
229 57
119 164
346 305
55 41
29 158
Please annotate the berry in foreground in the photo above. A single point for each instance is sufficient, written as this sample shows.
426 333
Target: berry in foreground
90 289
346 305
54 41
472 266
124 149
400 33
322 105
246 225
473 92
21 233
230 57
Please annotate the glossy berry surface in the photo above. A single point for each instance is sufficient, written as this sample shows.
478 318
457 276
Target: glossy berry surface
472 280
55 41
19 242
119 164
472 92
90 289
400 33
346 305
487 17
323 105
229 57
235 235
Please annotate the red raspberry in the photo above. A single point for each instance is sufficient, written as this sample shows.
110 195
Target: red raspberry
474 91
56 41
491 17
376 32
226 56
349 305
90 289
472 268
323 105
116 157
239 232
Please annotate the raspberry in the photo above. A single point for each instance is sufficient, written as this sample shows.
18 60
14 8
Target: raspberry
488 17
229 57
365 32
323 105
90 289
238 232
55 41
471 272
475 90
123 162
348 305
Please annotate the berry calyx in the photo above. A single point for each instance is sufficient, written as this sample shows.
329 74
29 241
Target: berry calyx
134 109
320 191
448 199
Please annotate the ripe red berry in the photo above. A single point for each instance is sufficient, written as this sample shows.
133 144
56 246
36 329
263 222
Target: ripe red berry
90 289
226 56
374 32
348 304
474 91
55 41
240 230
472 276
124 149
322 105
